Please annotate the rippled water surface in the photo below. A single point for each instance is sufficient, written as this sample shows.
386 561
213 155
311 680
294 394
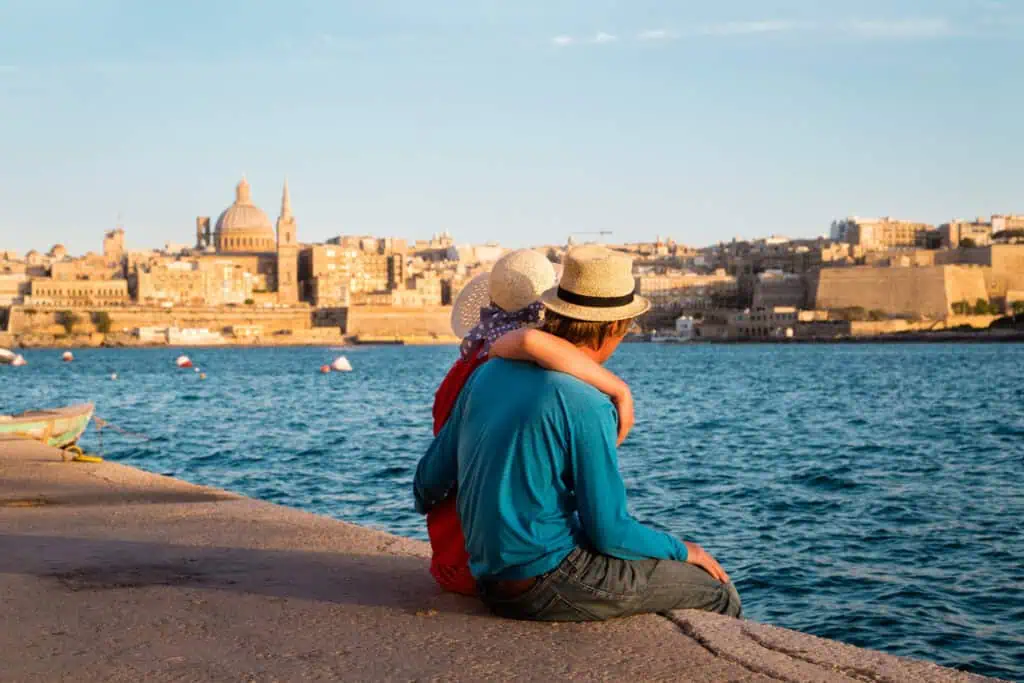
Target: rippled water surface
872 494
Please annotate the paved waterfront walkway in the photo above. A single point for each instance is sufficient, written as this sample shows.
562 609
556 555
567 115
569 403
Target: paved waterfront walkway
108 573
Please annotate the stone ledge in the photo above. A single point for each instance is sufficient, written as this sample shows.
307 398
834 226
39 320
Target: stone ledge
115 574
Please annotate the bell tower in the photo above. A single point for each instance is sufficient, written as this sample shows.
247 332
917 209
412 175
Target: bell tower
287 252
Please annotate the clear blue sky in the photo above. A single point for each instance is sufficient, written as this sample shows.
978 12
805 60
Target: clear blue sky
512 120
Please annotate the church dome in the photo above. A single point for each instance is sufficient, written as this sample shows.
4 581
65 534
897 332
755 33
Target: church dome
243 226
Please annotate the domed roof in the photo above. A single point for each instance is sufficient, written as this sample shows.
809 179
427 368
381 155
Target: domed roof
244 216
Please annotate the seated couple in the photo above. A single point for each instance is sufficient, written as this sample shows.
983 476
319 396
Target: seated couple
524 459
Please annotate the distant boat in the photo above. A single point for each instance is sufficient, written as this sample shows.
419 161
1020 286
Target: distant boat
59 427
194 336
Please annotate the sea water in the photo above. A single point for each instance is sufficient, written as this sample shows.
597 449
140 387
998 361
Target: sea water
872 494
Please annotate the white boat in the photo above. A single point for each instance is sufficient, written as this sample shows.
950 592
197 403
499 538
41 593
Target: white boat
341 364
193 336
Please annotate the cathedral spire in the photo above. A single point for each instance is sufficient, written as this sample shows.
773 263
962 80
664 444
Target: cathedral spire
286 202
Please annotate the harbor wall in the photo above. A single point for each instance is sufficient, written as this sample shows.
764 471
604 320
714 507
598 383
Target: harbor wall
38 320
370 321
386 321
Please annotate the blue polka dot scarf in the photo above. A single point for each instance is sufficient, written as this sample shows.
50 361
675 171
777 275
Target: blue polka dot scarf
495 323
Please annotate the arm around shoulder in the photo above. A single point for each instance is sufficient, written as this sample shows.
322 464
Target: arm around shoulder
554 353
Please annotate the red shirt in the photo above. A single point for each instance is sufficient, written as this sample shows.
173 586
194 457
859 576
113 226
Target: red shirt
449 563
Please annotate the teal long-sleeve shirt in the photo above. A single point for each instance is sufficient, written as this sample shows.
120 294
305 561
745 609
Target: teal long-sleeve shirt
533 456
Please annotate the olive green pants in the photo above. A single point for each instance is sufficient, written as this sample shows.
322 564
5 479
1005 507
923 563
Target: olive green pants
588 586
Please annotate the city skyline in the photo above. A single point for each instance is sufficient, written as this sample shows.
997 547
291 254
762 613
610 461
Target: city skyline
514 124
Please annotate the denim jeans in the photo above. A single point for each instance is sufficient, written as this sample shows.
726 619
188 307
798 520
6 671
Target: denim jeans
588 586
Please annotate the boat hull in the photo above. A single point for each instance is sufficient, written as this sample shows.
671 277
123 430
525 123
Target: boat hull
60 427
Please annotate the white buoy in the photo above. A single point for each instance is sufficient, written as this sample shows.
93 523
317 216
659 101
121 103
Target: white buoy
183 361
68 357
113 376
18 361
341 364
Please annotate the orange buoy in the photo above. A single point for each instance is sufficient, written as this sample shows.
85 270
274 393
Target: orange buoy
325 369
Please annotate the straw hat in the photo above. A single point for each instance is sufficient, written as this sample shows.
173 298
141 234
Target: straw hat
597 286
517 280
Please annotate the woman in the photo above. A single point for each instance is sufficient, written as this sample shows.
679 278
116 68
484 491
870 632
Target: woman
495 315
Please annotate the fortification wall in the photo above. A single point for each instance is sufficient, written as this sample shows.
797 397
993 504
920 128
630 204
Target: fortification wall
35 320
966 283
914 292
386 321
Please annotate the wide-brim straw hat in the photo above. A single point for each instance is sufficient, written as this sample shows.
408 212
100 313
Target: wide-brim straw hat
517 280
597 285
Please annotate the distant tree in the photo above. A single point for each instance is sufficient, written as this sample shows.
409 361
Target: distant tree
981 307
968 243
68 319
877 314
101 319
1017 307
1009 236
994 308
250 302
962 308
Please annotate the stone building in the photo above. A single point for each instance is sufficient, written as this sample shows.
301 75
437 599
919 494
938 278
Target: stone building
685 291
977 233
77 293
1001 223
113 246
757 323
353 270
882 233
13 287
89 267
775 288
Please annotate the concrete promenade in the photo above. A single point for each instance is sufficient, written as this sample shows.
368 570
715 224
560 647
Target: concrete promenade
108 573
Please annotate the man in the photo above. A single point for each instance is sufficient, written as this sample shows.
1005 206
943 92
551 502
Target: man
540 497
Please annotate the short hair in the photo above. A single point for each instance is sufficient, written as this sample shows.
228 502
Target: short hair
584 332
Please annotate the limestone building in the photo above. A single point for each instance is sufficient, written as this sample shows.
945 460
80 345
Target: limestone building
113 246
77 293
685 291
881 233
977 233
